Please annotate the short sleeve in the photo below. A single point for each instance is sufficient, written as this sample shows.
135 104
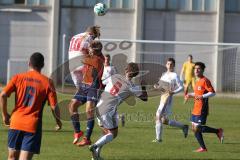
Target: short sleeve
52 96
208 86
11 86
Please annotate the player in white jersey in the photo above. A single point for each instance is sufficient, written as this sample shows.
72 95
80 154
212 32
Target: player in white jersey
109 70
118 88
166 100
79 46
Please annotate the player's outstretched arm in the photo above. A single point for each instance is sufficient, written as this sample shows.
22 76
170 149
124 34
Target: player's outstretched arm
3 106
56 114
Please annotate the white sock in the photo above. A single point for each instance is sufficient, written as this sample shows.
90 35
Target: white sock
104 139
175 124
158 130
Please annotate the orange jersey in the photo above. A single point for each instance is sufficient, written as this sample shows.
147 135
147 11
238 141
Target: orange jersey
93 69
32 89
202 86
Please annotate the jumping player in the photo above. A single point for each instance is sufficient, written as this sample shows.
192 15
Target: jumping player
87 92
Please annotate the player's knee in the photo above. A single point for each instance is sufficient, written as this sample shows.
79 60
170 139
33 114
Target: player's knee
196 128
90 112
12 156
73 106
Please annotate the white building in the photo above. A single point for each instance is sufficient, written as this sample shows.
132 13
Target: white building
27 26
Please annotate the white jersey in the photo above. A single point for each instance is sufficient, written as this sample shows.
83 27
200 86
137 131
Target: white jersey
165 106
117 89
173 79
108 71
79 45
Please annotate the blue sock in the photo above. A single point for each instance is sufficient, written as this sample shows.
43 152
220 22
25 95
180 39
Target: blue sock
90 125
76 123
200 140
206 129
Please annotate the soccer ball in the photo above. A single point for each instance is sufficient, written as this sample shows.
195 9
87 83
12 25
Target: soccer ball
100 9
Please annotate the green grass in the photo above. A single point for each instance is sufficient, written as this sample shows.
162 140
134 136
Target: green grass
134 140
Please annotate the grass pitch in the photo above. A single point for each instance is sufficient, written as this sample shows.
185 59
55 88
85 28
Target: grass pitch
134 140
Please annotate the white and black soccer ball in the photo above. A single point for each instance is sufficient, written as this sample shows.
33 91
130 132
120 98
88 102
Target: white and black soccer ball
100 9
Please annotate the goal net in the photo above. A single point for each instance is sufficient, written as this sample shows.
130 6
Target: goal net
222 60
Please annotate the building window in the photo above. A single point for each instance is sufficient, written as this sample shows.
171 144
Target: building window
232 6
25 2
172 4
120 4
197 5
19 1
182 5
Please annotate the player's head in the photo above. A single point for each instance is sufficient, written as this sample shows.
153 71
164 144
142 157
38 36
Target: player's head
190 57
95 47
131 70
199 69
107 59
170 64
36 61
94 30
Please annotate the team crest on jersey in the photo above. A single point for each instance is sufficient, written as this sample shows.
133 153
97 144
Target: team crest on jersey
199 88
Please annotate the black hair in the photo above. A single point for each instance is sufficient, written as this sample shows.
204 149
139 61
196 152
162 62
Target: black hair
133 69
95 30
107 55
96 46
190 56
201 64
171 60
37 61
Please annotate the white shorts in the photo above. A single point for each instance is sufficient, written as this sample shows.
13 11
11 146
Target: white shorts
108 120
75 69
165 107
77 77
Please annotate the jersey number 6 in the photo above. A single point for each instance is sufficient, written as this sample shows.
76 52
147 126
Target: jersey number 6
115 89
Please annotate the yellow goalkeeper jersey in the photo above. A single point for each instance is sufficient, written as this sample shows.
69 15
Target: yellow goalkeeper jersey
188 70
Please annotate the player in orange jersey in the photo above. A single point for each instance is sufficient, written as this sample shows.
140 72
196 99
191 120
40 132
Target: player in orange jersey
31 89
202 91
87 92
